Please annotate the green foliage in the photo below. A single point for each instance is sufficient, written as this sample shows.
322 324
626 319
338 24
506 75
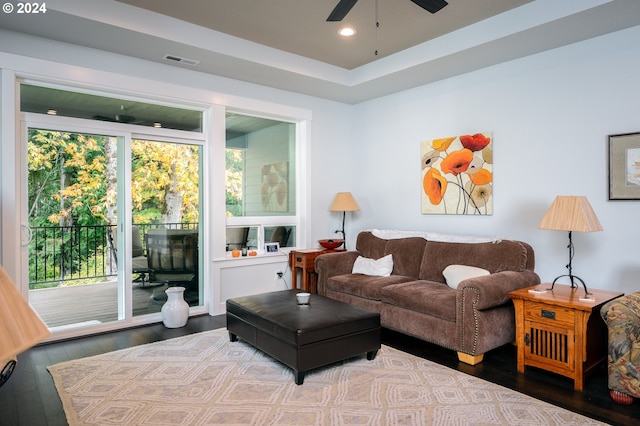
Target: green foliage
69 197
233 177
159 168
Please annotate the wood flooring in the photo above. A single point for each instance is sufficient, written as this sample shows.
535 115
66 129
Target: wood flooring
29 397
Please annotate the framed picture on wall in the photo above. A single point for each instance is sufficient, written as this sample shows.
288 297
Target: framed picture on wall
624 166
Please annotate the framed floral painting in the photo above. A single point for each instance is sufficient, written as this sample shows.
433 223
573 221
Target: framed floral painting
457 175
624 166
274 190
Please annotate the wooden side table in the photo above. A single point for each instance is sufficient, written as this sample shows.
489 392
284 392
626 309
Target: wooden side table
557 332
304 259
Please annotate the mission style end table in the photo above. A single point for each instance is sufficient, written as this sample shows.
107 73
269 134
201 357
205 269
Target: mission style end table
557 332
304 259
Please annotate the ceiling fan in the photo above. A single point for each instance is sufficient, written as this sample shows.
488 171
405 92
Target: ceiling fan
119 118
344 6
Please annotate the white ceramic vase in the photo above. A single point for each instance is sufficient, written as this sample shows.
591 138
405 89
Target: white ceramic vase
175 311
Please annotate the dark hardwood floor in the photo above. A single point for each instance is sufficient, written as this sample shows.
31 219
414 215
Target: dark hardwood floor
29 397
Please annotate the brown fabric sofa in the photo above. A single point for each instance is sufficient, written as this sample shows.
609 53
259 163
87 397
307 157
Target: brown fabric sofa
415 299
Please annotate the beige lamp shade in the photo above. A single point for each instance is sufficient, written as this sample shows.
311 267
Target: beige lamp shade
344 202
20 326
571 213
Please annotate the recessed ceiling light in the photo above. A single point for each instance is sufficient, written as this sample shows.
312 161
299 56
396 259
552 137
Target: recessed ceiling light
157 125
347 32
52 112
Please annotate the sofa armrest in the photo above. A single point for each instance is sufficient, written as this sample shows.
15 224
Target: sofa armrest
493 290
332 264
484 320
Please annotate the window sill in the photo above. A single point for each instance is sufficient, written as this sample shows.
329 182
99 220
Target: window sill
259 256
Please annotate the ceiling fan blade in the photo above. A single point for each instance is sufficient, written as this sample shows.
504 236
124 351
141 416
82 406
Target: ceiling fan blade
431 5
341 10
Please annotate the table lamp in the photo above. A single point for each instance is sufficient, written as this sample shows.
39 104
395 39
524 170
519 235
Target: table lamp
20 326
573 214
344 202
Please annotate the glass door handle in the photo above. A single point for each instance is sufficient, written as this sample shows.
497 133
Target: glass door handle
26 232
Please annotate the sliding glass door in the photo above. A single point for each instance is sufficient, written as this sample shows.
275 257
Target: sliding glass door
110 205
113 221
71 206
165 222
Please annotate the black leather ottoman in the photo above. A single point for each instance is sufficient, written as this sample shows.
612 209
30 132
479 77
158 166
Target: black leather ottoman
303 337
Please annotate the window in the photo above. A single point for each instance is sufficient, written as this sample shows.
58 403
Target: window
104 202
67 103
260 181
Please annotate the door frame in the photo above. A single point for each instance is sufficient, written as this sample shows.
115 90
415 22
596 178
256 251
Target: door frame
125 134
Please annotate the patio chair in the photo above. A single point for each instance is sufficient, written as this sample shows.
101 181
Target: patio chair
281 235
139 264
172 256
237 237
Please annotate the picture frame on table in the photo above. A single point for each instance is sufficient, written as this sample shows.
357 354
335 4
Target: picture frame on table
624 166
271 248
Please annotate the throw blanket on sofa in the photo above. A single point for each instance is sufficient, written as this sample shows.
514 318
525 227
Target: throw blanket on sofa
389 234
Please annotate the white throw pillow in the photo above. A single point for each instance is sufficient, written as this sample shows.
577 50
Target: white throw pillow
381 267
454 274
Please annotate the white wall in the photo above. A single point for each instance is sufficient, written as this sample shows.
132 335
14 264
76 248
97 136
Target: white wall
550 115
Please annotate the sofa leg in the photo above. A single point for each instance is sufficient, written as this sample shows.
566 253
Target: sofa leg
470 359
620 398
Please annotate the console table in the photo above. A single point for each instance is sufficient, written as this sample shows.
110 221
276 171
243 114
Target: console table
557 332
304 260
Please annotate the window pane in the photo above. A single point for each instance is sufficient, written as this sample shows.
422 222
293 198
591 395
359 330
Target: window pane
285 235
260 175
45 100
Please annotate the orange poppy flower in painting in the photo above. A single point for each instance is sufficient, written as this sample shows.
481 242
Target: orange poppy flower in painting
442 144
434 185
457 162
476 142
482 177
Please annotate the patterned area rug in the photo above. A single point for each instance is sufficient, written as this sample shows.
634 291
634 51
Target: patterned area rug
204 379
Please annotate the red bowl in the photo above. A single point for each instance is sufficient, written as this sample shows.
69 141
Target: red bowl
331 243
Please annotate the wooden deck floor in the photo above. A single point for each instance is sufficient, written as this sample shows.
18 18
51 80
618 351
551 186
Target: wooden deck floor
62 306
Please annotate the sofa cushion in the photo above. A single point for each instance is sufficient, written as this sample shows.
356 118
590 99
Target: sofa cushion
407 254
427 297
370 246
454 274
506 255
363 285
373 267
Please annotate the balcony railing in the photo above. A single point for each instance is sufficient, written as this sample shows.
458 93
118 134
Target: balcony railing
71 253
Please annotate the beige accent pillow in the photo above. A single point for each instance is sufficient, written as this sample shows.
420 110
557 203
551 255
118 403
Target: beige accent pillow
376 267
454 274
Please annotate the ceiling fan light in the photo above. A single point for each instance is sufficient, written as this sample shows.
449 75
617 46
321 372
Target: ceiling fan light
347 32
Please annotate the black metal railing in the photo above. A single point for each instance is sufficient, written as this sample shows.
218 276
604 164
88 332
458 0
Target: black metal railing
71 253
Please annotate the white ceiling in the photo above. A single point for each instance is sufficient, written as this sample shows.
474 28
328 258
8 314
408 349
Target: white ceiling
294 49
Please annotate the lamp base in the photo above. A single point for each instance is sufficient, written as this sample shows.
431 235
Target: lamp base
572 278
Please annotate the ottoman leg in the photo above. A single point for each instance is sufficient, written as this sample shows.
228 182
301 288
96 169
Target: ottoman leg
233 337
372 355
298 376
